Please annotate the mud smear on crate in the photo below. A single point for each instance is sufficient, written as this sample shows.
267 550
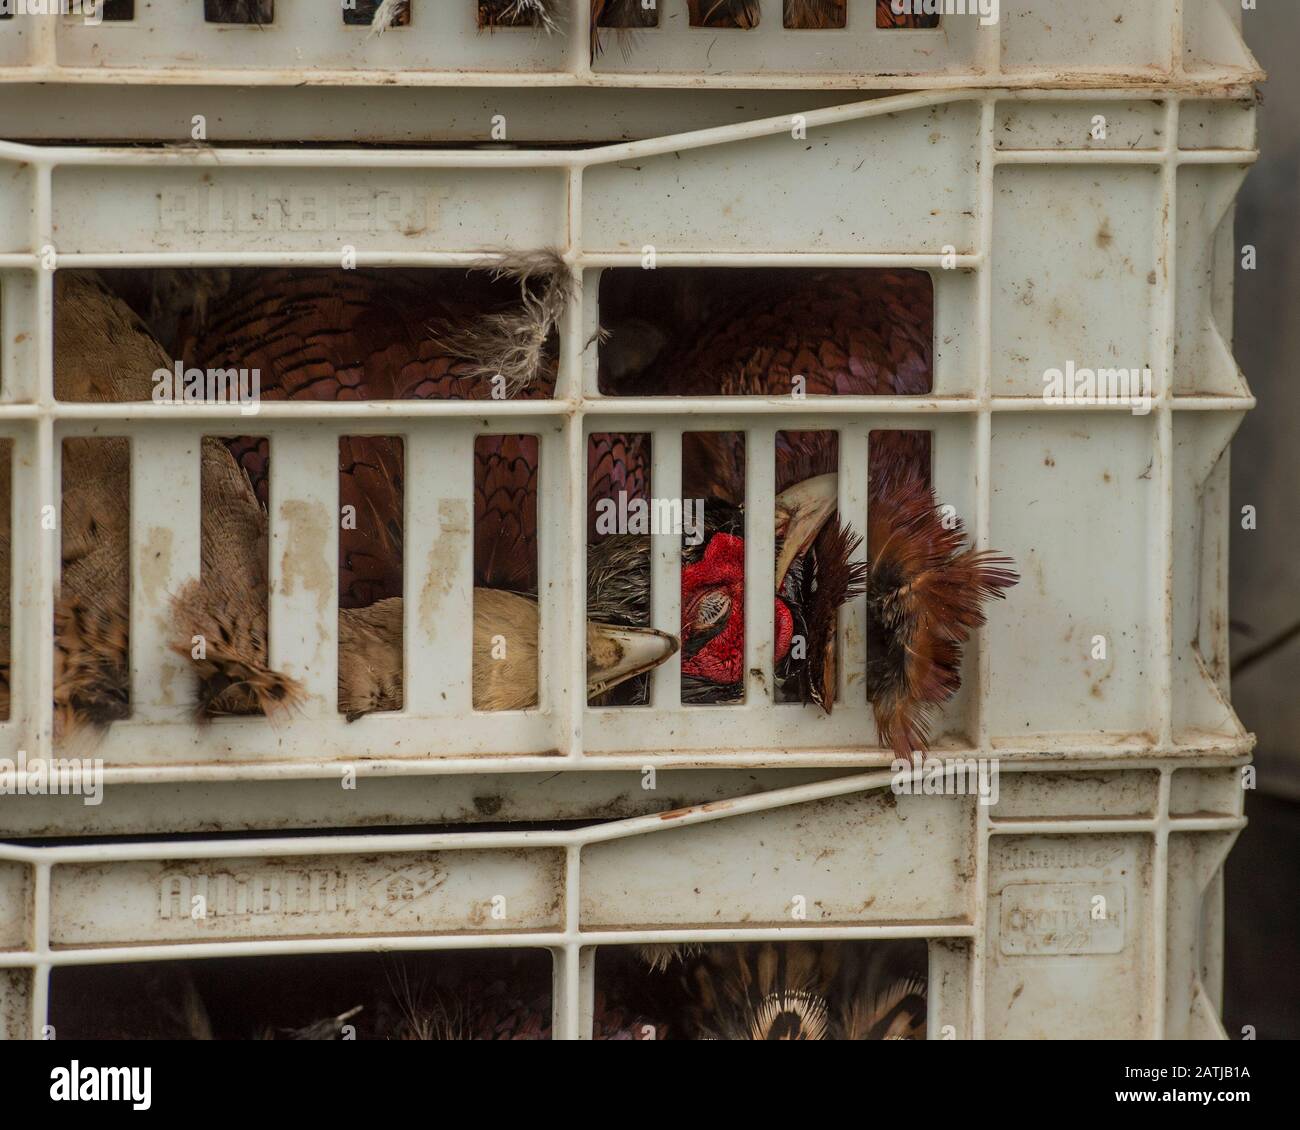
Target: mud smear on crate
770 990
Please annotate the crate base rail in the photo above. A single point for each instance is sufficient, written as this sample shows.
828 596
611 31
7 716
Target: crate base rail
946 868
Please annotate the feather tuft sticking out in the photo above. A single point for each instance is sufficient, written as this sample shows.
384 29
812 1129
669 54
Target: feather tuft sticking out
544 14
234 674
221 620
390 13
743 14
623 17
925 595
659 956
330 1028
895 1012
516 345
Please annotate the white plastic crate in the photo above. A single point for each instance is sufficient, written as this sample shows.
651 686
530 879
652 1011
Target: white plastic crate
1034 43
1062 248
1005 895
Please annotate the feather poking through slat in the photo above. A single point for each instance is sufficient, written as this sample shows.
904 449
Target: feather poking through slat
544 14
925 596
839 579
515 345
390 13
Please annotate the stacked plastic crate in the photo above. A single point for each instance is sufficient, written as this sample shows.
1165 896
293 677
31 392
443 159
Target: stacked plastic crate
1064 174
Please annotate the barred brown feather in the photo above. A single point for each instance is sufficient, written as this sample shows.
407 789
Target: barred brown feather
925 595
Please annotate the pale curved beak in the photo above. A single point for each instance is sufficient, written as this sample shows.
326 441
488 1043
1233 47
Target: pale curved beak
801 511
616 654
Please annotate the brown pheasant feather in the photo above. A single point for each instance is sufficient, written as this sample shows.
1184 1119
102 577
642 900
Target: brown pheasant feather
887 17
239 11
838 579
925 595
724 13
505 512
102 352
807 991
894 1012
625 16
813 14
846 332
761 990
353 335
544 14
221 619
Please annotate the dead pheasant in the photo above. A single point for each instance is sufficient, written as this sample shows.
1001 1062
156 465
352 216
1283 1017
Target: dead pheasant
102 352
390 335
811 333
105 353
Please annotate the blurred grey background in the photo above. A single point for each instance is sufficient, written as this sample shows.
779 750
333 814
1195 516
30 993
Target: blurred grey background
1263 873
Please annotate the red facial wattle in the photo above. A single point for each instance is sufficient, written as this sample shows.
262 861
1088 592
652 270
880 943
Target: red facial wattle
719 577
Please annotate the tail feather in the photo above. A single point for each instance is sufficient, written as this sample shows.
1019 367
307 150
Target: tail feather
925 595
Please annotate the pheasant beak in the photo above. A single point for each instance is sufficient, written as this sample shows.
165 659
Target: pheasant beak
801 511
616 654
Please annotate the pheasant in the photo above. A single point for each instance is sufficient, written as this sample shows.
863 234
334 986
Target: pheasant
809 333
389 335
104 352
804 991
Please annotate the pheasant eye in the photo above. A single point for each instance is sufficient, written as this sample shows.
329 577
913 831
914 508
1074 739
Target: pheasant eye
713 608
